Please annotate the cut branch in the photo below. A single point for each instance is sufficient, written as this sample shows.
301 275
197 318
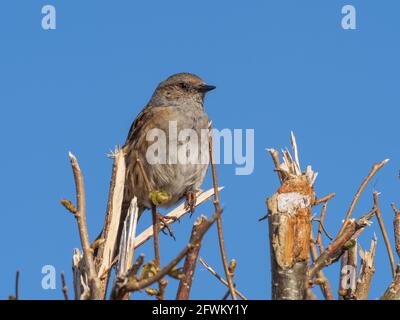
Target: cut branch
106 252
290 226
367 271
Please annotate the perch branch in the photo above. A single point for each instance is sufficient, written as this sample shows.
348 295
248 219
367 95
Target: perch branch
175 215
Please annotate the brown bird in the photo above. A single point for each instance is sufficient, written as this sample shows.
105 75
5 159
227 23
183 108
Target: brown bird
176 105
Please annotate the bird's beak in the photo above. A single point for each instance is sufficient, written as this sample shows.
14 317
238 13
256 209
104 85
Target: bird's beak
205 88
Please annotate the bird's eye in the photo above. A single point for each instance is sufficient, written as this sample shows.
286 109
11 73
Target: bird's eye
184 86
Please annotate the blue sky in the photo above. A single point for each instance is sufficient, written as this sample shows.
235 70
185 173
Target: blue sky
278 66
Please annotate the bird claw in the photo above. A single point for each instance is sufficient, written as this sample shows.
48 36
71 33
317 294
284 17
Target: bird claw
166 225
191 199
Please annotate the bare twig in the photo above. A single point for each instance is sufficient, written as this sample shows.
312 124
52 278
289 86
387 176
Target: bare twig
215 274
375 168
156 244
335 250
189 266
320 227
324 199
275 158
130 283
94 281
64 286
219 220
323 280
384 233
17 274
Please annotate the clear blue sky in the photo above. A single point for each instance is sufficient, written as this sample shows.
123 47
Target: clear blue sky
278 66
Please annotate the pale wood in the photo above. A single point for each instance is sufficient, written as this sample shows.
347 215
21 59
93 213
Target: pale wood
177 213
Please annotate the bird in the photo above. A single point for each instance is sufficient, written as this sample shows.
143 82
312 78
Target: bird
179 101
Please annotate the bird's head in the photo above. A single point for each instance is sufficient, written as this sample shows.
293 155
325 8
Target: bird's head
181 88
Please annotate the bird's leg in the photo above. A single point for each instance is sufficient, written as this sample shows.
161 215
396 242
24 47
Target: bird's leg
166 221
191 199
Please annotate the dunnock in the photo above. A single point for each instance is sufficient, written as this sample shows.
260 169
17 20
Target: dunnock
178 101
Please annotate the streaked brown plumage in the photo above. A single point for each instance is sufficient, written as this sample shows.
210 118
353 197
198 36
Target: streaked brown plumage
179 98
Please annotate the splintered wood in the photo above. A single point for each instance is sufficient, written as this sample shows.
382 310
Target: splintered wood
289 218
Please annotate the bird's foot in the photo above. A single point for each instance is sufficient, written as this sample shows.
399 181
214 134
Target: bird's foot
166 221
191 199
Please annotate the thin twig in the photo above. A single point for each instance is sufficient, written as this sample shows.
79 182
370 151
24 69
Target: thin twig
17 285
320 227
324 199
384 233
215 274
156 244
94 281
375 168
64 286
324 284
219 220
156 230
